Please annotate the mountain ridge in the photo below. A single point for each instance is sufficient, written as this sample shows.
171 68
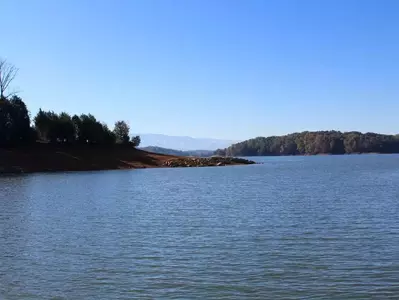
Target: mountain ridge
183 143
160 150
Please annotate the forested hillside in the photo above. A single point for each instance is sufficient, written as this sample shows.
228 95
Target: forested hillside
311 143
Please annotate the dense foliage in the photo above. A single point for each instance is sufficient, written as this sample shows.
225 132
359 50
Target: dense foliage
319 142
14 122
16 129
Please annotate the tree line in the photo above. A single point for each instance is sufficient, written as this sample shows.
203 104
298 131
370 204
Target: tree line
17 128
312 143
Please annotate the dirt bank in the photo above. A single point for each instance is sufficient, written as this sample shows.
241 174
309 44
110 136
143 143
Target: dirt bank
53 158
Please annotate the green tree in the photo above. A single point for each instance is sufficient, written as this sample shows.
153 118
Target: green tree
6 122
121 131
66 128
136 140
48 126
14 122
21 131
77 124
42 125
90 130
109 136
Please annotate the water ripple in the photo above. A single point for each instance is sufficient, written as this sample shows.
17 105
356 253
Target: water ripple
291 228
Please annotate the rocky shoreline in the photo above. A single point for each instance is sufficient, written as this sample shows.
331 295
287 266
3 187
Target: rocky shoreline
61 158
182 162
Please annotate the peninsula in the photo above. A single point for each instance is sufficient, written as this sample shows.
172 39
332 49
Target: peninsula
60 158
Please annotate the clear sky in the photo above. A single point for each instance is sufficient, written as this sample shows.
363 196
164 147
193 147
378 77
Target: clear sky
219 68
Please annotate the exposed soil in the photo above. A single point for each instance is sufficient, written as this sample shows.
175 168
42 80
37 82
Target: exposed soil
57 158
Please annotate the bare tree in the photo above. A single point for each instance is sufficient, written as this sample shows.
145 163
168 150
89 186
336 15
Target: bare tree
7 75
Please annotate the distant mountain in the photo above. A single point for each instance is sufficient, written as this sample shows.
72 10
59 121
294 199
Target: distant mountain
199 153
183 143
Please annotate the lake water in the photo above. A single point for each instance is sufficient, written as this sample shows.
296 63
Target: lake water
324 227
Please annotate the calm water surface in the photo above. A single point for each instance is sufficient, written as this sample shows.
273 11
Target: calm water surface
291 228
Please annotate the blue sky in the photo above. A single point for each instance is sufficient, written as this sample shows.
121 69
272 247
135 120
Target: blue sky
220 68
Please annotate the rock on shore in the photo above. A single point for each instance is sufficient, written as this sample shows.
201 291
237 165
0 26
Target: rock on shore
205 162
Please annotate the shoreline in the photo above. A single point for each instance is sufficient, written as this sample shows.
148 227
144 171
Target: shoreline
52 158
324 154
